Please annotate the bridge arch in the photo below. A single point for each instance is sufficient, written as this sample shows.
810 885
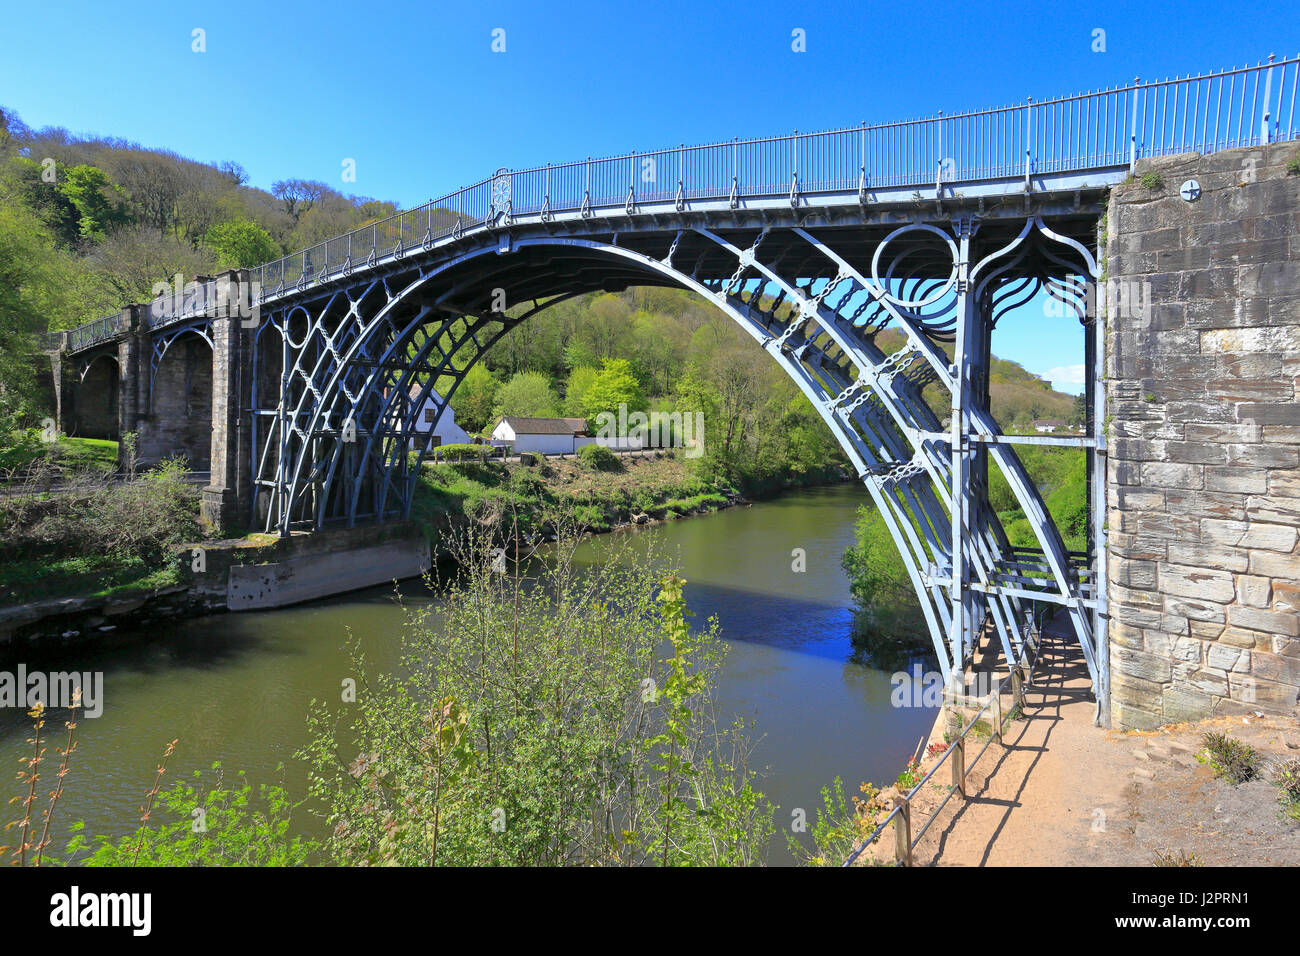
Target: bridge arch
341 447
179 401
98 398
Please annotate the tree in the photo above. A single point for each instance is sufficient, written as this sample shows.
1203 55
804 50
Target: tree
101 205
527 395
613 386
299 195
240 244
575 390
474 398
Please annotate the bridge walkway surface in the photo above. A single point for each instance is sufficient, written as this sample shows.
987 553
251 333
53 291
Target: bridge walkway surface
1063 792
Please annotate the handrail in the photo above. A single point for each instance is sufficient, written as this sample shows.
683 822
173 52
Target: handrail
907 842
1106 129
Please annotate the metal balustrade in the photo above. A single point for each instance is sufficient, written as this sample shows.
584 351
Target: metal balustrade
905 841
1105 130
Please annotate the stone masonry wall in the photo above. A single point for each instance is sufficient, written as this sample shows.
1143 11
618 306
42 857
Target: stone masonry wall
1203 371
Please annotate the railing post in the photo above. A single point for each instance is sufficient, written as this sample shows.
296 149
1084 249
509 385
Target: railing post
1264 134
959 766
903 831
1133 128
997 714
1029 136
1018 686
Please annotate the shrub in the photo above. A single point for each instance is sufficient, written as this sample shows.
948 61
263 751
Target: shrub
1286 777
599 458
539 724
1181 858
1229 758
463 452
220 823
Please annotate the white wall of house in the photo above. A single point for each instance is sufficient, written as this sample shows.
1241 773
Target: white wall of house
542 444
447 431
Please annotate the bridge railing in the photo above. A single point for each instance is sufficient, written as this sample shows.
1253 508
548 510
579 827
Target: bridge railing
92 333
1102 130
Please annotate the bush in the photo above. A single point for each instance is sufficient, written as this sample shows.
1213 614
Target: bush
1286 777
144 519
241 826
1229 758
464 452
538 724
599 458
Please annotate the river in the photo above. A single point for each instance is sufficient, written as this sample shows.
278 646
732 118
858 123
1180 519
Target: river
235 688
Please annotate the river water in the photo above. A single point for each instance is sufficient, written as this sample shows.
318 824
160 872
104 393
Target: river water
235 688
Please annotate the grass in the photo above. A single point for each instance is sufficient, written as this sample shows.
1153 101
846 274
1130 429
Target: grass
96 575
83 453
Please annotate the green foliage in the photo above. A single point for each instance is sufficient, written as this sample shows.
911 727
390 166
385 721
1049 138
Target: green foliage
96 534
535 724
613 386
241 243
599 458
526 395
888 625
575 390
217 823
839 826
1151 181
455 452
475 398
1286 777
1229 758
101 205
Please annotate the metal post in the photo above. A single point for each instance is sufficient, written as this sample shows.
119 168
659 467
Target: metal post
1029 135
997 715
1133 132
1264 132
903 831
959 766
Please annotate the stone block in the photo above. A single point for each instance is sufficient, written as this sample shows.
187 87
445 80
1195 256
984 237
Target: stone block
1192 582
1270 622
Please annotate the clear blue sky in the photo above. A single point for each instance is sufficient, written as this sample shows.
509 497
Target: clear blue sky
416 96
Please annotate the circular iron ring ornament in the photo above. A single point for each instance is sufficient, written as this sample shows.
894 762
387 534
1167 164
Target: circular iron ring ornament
932 297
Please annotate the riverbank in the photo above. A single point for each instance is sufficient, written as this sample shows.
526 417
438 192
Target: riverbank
261 571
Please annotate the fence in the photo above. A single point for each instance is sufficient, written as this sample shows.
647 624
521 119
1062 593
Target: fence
901 815
1102 130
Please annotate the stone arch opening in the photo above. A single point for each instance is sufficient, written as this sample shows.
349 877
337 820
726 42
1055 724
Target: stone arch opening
97 400
180 410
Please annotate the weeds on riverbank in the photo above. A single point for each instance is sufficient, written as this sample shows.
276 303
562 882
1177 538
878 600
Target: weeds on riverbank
217 824
538 724
93 534
840 826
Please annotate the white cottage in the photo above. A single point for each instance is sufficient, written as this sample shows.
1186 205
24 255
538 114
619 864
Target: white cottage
546 436
447 431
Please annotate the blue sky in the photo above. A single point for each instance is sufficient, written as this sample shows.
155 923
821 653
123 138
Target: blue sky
414 94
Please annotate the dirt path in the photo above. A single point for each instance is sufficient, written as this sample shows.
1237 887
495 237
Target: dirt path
1062 792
